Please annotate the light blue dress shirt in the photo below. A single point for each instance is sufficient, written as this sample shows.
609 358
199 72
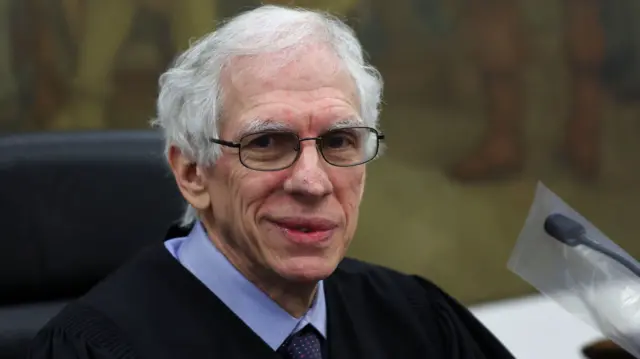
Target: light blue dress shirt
266 318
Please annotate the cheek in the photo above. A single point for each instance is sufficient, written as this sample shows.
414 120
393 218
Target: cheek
350 188
249 190
228 182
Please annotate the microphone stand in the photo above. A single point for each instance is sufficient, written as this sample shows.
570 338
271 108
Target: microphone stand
573 234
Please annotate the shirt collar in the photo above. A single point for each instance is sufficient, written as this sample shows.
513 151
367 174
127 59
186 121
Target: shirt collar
273 324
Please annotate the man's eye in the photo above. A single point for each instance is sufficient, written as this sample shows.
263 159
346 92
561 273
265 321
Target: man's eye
340 139
337 141
270 141
262 141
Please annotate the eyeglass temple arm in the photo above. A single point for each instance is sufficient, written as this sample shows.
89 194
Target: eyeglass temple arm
225 143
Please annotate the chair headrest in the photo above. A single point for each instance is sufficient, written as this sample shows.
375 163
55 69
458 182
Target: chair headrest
74 206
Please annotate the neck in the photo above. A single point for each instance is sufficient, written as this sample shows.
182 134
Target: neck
294 297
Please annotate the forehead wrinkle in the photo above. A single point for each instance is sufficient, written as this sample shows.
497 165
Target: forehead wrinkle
305 65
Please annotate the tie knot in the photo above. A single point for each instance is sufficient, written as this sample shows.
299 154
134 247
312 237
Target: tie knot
304 344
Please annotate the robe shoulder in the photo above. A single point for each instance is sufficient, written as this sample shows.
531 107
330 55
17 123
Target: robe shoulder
442 318
80 332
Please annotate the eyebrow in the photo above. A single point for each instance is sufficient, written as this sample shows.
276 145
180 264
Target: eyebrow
260 125
348 122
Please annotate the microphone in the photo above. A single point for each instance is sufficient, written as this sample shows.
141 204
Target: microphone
573 234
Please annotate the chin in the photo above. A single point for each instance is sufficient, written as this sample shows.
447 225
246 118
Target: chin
306 269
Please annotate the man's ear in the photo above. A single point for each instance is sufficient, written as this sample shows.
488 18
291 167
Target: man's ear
364 181
190 179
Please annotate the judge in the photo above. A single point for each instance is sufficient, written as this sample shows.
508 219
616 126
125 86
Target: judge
269 122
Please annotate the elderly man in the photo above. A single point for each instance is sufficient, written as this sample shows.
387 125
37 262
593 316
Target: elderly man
268 121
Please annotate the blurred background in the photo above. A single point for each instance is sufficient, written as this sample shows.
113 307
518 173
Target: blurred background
483 98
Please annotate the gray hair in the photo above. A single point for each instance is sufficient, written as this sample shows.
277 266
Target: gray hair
190 100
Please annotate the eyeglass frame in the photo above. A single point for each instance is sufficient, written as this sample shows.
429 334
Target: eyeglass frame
379 136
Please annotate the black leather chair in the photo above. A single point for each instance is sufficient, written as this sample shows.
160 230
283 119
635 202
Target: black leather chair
73 207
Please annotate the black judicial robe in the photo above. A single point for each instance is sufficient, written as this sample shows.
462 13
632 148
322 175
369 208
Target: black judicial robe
154 308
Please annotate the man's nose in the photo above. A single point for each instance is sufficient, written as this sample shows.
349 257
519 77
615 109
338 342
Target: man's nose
308 175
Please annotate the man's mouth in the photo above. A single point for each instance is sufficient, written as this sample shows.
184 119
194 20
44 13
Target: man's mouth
306 230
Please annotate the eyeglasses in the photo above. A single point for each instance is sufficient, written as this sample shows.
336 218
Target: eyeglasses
278 150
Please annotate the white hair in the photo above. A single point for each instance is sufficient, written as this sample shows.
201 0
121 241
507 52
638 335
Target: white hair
190 100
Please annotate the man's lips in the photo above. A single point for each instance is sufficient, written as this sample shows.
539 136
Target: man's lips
311 224
305 230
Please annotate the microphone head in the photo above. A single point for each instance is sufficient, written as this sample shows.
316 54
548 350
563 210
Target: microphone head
564 229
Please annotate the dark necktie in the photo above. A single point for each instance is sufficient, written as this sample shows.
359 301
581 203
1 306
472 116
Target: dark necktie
305 344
